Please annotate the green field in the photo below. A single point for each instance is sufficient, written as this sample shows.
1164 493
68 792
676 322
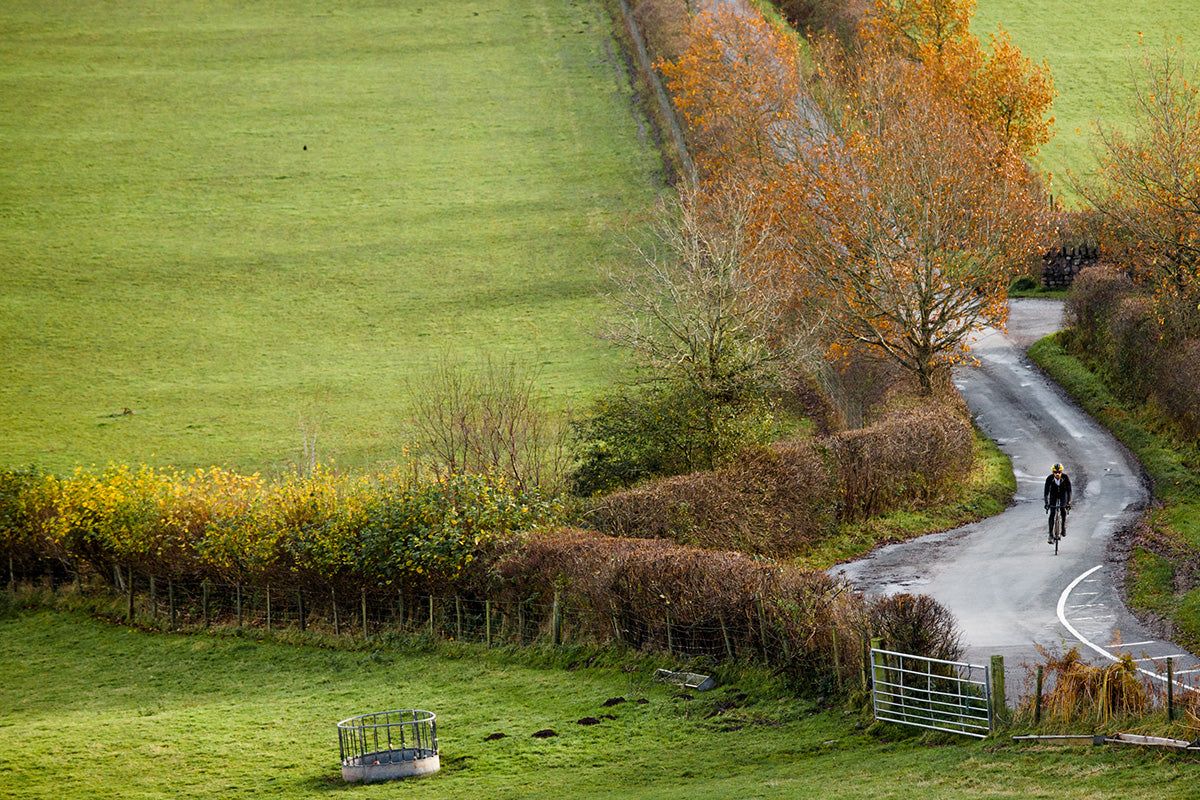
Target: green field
230 217
1089 46
92 710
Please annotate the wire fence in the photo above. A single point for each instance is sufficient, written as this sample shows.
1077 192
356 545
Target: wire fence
368 612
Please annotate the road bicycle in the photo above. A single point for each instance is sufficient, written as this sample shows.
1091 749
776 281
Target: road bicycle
1058 523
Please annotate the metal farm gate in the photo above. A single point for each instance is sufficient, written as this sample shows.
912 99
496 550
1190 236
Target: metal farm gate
949 696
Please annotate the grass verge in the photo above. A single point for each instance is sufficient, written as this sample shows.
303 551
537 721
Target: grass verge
89 709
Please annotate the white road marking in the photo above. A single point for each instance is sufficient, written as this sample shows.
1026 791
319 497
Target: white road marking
1062 617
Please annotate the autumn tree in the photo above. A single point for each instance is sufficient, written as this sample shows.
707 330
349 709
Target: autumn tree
1147 186
737 86
879 196
914 221
998 85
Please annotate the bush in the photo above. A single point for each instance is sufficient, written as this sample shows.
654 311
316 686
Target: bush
314 531
1094 297
1177 387
914 624
912 457
665 27
642 432
704 602
1133 349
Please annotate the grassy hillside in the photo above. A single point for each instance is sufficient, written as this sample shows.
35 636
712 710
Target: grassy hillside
131 715
1088 46
226 217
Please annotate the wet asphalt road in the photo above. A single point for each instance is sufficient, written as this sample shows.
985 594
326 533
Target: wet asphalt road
1007 589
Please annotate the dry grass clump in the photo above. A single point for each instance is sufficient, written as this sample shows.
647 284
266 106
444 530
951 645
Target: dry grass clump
1081 692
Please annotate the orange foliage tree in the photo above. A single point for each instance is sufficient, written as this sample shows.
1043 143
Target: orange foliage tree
892 207
737 86
1000 87
915 220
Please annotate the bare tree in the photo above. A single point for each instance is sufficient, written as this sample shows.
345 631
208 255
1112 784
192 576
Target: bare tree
488 418
698 302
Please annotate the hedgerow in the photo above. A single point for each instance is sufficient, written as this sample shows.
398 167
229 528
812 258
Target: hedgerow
322 529
783 499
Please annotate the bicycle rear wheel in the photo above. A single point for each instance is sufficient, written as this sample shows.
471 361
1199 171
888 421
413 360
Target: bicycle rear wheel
1058 527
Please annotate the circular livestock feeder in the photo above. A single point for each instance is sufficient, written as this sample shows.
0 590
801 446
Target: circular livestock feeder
388 745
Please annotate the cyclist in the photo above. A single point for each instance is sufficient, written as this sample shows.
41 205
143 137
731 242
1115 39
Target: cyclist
1057 493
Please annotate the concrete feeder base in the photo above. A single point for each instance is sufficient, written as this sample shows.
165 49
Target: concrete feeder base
390 765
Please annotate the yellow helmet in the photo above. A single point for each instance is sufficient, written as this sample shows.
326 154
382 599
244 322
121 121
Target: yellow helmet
1057 468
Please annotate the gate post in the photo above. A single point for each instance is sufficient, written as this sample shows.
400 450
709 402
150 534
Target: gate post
878 674
999 710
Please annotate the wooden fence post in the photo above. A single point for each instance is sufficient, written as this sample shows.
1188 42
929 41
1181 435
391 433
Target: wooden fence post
204 600
556 621
364 612
670 642
171 598
1037 698
762 627
457 618
431 615
268 608
337 628
837 662
999 702
487 615
1170 689
300 604
129 614
238 593
153 599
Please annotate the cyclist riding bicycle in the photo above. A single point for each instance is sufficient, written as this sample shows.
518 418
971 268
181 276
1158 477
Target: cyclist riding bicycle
1058 494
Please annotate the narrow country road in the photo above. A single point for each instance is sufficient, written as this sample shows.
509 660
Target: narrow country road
1005 586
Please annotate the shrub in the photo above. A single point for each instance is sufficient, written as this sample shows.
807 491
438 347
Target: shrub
1177 387
312 531
643 432
1133 349
703 602
913 457
664 25
1094 297
914 624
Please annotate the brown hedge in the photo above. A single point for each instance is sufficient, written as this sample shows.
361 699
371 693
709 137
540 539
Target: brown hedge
776 500
714 602
782 500
915 457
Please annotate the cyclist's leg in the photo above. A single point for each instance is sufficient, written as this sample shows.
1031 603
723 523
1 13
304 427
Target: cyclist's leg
1050 531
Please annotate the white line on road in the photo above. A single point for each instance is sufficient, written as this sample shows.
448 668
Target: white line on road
1062 617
